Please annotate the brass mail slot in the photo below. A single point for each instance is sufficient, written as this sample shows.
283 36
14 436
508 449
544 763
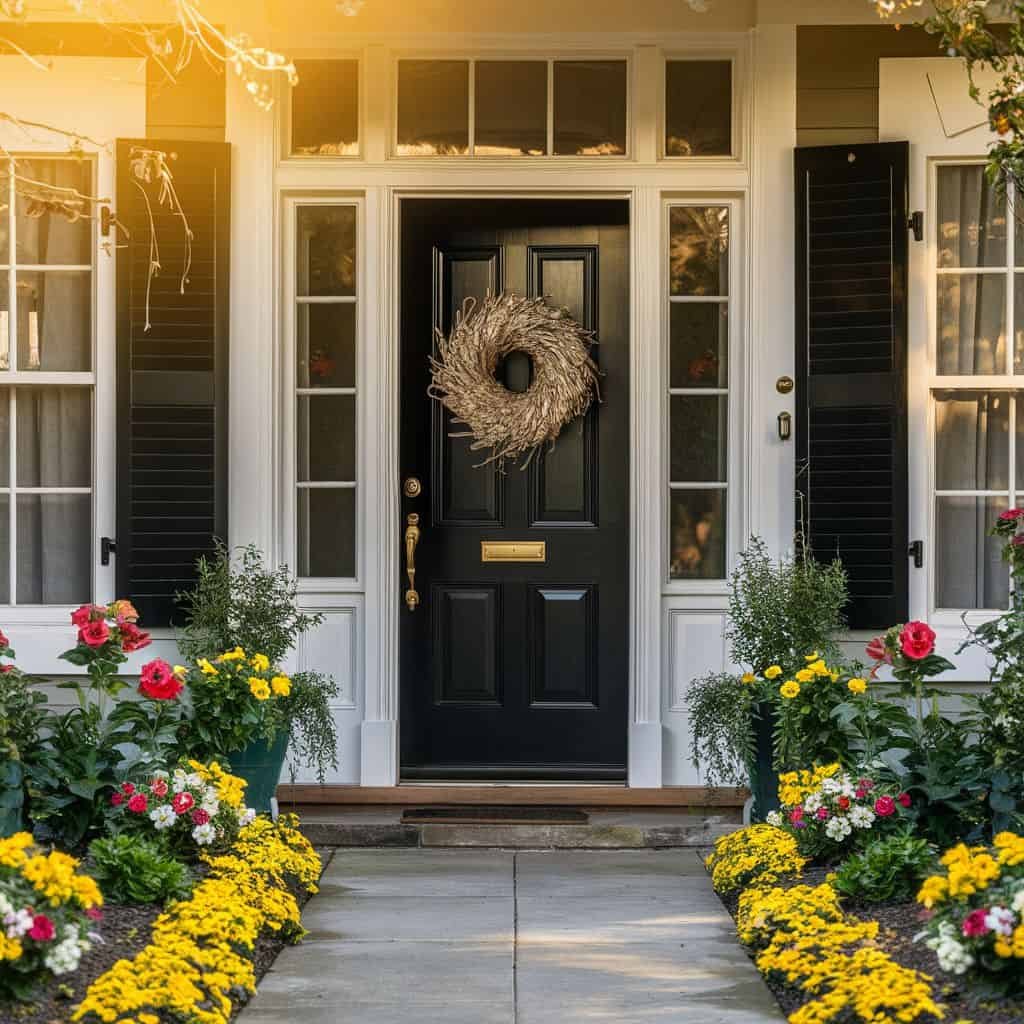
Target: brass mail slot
513 551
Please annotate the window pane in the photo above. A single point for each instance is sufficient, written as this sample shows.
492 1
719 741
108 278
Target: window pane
590 107
699 250
511 108
972 433
327 345
44 237
698 108
699 344
5 438
55 320
54 437
326 532
1018 319
54 541
326 257
969 570
972 219
326 438
699 451
433 107
5 318
5 237
325 108
5 549
697 534
972 323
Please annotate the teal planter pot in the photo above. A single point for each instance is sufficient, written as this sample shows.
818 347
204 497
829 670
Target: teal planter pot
764 779
260 765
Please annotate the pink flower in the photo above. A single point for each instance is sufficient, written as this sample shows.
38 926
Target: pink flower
158 787
159 681
885 807
796 815
127 788
904 799
974 923
182 802
133 638
1011 515
917 639
94 634
1017 540
85 614
42 929
822 814
95 913
199 816
4 642
117 799
6 668
138 804
878 652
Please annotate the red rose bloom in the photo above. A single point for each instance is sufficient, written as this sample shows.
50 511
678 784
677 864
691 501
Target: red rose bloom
182 802
1011 515
42 929
844 803
4 642
88 612
158 787
885 806
878 652
199 816
974 923
159 681
133 638
138 803
917 639
117 799
127 788
94 634
904 799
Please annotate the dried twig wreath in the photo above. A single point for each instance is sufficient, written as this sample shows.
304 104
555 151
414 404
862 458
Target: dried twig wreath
512 423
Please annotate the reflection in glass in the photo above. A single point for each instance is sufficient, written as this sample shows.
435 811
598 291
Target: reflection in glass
5 319
325 108
433 107
969 571
698 344
972 219
54 320
52 238
698 438
326 345
54 439
511 108
698 108
5 549
697 534
326 438
326 520
971 323
326 250
590 107
53 548
699 250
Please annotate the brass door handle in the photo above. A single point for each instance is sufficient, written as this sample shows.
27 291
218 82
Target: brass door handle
412 538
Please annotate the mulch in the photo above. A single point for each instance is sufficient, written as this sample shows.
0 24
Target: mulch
125 929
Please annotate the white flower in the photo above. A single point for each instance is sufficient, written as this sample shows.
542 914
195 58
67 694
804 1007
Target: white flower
837 829
830 786
861 816
18 922
204 834
6 906
812 803
194 780
160 774
210 804
63 958
1000 920
179 782
1018 901
951 953
773 818
163 816
248 816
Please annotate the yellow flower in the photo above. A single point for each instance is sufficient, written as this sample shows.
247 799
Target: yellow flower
834 676
206 668
748 678
805 675
259 688
813 656
10 949
236 655
857 685
180 671
281 685
772 672
819 668
789 689
260 662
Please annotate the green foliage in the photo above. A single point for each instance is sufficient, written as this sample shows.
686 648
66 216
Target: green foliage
720 717
312 734
888 869
130 869
21 717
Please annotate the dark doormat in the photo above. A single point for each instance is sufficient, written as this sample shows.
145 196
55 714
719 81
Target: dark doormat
482 815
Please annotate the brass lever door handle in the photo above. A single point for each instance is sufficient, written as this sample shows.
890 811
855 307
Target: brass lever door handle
412 538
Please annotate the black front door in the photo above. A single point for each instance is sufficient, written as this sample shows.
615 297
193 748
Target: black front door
516 670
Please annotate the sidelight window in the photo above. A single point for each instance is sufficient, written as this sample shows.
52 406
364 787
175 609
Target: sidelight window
699 291
325 388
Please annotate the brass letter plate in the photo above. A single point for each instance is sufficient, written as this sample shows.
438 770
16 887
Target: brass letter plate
513 551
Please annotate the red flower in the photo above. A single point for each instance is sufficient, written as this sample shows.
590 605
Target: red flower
878 652
117 799
844 803
6 668
182 802
917 639
159 681
885 806
138 804
42 929
94 634
904 799
88 612
822 814
133 638
797 814
127 788
158 787
199 816
974 923
4 642
1017 540
1011 515
95 913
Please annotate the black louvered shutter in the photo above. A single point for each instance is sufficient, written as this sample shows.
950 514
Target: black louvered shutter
851 360
172 379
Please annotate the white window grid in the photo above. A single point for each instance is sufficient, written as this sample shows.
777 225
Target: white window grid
14 378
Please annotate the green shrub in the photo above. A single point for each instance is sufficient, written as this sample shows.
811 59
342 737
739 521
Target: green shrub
887 869
131 869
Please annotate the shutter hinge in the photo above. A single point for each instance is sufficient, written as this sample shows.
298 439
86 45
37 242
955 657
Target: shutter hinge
916 224
916 552
108 547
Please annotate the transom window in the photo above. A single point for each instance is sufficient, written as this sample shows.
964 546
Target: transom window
514 107
46 387
324 108
698 325
698 108
979 361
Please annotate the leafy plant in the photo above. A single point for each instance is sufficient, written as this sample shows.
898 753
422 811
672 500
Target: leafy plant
722 745
887 869
131 869
241 603
21 718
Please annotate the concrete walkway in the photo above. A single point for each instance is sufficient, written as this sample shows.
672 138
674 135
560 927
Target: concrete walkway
496 937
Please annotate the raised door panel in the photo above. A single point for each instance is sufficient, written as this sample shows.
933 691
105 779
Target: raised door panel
467 644
563 645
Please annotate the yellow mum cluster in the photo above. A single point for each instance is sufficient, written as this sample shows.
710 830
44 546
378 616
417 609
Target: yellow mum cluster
969 869
230 788
53 875
760 854
202 948
795 786
261 688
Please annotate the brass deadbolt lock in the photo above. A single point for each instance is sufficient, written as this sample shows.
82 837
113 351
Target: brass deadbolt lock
784 385
412 488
